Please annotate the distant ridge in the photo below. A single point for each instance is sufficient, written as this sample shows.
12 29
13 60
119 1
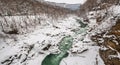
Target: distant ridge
29 7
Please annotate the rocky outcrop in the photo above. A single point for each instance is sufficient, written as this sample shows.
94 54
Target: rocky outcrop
110 45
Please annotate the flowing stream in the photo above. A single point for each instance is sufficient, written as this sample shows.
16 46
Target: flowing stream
64 45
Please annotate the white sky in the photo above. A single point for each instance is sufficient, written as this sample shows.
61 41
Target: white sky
67 1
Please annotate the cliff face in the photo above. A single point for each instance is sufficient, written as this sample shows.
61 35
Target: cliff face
109 40
105 11
111 56
110 47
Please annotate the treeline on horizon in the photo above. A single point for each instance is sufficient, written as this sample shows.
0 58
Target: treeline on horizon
30 7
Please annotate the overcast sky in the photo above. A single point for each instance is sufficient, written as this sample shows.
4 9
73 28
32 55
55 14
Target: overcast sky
67 1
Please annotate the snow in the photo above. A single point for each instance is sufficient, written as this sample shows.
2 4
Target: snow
44 35
115 9
91 55
68 1
51 33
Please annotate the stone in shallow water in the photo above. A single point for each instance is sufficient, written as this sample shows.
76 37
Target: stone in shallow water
83 25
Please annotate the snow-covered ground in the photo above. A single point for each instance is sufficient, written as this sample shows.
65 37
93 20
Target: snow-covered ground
19 46
31 48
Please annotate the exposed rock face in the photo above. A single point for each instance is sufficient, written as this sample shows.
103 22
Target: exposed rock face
109 39
111 43
116 29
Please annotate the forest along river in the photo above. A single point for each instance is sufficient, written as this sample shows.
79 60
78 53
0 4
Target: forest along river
65 45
